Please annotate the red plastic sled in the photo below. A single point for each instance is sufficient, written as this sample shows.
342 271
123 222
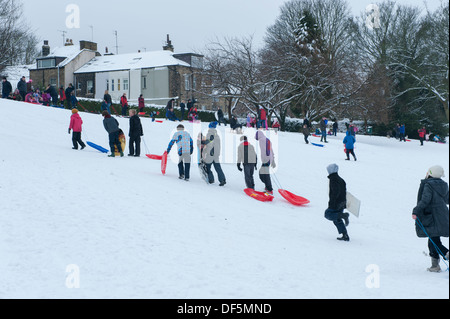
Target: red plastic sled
262 197
159 121
164 163
154 157
293 199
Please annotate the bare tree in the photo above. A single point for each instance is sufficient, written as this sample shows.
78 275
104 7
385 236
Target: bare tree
18 45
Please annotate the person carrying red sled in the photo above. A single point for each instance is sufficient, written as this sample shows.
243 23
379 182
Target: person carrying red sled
248 158
268 160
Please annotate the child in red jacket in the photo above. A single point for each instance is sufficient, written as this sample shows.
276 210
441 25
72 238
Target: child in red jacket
75 124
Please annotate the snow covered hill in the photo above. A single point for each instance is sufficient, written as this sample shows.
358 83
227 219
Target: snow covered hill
118 228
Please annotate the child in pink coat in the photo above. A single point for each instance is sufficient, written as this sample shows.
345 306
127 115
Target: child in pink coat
75 124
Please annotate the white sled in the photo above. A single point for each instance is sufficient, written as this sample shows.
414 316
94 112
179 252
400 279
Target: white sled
353 204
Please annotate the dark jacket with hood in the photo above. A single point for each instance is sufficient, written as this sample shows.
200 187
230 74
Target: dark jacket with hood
135 127
338 192
431 209
111 125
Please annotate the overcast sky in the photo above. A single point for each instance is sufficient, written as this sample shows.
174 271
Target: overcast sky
143 25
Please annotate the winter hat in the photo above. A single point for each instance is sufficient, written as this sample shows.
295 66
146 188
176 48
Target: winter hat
74 111
243 138
333 168
436 172
213 125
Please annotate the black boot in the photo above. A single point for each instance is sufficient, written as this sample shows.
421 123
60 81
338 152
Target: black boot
344 237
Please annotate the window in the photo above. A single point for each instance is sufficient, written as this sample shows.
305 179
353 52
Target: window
144 82
90 86
118 85
112 85
187 82
125 84
107 85
48 63
79 86
53 82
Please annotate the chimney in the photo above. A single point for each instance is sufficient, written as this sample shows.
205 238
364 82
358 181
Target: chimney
45 48
106 50
88 45
168 46
68 43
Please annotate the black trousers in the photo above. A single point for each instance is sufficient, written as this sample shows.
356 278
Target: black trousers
433 252
76 139
264 176
135 145
351 152
249 170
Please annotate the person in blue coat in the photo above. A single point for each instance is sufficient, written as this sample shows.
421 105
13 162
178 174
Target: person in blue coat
403 133
349 142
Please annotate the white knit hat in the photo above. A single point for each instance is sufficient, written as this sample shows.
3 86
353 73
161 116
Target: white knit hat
436 172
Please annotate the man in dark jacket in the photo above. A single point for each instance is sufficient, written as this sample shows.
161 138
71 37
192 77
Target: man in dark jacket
6 88
431 214
183 109
212 154
22 87
247 156
112 127
135 134
338 202
68 92
53 93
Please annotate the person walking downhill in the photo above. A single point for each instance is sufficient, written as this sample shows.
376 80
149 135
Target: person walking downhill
422 133
432 216
135 134
268 160
306 133
185 150
112 127
76 125
248 158
349 142
337 202
212 155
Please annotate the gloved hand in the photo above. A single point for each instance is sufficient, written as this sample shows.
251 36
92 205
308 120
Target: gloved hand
69 130
239 167
273 164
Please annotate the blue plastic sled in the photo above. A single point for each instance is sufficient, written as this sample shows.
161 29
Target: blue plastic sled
97 147
318 145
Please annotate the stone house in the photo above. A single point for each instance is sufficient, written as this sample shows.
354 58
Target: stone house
57 66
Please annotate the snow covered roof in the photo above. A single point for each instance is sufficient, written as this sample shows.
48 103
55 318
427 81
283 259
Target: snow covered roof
142 60
69 52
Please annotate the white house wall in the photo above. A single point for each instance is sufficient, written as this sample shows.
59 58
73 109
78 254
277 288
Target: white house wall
100 84
114 91
157 91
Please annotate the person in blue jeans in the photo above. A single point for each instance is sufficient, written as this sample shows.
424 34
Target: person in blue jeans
185 146
338 202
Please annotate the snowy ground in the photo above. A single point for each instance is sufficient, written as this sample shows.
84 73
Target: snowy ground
125 231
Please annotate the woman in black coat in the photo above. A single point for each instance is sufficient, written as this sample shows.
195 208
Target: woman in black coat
431 214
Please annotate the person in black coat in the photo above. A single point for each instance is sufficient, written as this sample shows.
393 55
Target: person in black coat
338 202
22 87
68 92
247 156
183 109
431 214
53 93
135 134
6 88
